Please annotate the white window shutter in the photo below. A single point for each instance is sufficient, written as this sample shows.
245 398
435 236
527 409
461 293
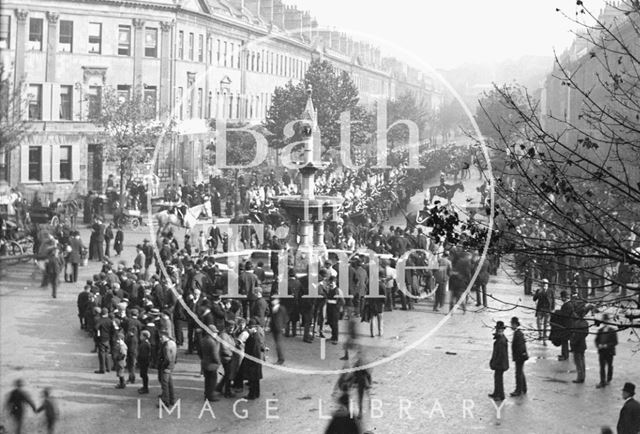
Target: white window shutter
75 161
46 163
55 162
24 162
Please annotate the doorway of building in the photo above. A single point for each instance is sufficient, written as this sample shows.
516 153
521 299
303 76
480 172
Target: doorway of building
94 168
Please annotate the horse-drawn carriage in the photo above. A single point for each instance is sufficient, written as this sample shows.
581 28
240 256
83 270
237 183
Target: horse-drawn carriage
65 213
14 241
128 218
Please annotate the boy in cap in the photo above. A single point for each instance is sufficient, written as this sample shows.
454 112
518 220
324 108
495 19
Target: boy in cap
120 359
499 362
144 359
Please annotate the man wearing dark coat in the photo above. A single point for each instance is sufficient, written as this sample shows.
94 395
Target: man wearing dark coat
218 312
98 245
53 268
132 328
254 347
103 331
147 249
274 256
210 361
166 364
578 340
75 256
144 360
341 421
16 402
118 243
519 355
108 236
499 361
215 237
83 300
629 420
294 287
278 324
259 309
249 286
606 341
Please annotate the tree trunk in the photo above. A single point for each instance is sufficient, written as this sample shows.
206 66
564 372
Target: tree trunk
121 185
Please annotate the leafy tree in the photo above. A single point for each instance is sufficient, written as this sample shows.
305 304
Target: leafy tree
13 129
495 116
567 178
407 107
333 94
451 117
132 130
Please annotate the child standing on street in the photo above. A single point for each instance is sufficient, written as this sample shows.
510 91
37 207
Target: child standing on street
50 410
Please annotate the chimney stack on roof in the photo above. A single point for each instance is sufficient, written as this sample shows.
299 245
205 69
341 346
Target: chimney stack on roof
343 43
306 26
266 10
253 6
293 21
278 13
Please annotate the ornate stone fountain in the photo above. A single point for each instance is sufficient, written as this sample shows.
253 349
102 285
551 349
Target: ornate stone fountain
307 212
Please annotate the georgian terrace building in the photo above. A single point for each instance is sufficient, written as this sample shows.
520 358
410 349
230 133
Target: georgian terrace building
196 59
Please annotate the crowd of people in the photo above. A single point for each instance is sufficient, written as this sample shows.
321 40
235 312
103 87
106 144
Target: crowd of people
173 294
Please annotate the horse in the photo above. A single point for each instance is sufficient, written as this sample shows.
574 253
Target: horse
446 191
183 217
273 218
358 225
416 218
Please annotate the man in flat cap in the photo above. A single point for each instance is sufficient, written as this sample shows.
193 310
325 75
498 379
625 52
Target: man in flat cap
629 420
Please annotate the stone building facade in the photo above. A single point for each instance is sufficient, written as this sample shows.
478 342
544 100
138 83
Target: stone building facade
197 59
592 62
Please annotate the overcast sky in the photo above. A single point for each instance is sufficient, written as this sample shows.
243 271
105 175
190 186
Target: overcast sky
447 33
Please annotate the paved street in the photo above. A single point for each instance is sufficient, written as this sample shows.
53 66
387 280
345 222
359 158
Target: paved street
440 386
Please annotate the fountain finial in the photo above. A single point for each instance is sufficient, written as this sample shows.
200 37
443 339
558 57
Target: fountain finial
310 112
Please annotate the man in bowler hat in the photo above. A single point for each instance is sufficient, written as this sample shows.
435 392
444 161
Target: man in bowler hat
629 420
499 361
519 355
